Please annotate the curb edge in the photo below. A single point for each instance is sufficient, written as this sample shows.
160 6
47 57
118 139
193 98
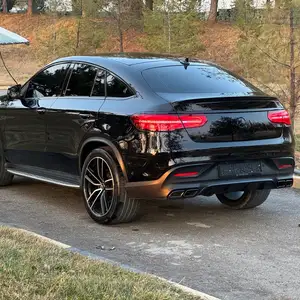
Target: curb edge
91 255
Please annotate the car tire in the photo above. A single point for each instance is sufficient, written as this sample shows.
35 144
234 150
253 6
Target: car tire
112 206
249 199
5 177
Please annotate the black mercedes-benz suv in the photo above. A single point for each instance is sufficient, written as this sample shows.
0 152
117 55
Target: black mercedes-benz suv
134 126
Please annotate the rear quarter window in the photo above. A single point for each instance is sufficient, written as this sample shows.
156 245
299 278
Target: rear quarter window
117 88
195 79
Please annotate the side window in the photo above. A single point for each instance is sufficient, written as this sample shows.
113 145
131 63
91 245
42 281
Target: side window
82 80
116 88
99 85
47 83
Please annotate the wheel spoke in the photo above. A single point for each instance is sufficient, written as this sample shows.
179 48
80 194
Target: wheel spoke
90 180
98 170
100 194
108 180
109 189
102 170
93 175
103 203
92 194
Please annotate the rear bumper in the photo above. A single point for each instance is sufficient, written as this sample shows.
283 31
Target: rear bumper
208 182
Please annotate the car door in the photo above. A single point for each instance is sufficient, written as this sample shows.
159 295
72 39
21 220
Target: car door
73 115
25 126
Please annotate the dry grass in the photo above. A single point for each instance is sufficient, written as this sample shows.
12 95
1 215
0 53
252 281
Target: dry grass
32 269
296 182
298 142
297 155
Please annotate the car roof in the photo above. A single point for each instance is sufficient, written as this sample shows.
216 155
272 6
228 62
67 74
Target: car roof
135 60
129 66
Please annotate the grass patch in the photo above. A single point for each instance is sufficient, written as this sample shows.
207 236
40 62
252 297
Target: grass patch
31 268
296 183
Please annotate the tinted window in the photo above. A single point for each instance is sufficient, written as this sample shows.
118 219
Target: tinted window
99 86
47 83
116 88
195 79
81 81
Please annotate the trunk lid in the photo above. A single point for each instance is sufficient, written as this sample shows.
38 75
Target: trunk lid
242 118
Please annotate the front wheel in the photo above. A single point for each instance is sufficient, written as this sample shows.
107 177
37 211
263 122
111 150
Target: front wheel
244 199
104 192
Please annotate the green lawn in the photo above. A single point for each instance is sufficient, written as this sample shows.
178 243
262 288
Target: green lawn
33 269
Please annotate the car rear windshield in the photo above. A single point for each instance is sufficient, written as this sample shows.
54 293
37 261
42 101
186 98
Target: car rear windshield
195 79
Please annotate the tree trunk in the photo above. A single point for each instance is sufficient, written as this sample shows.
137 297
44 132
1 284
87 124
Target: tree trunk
212 17
30 6
120 30
4 6
77 37
149 4
293 97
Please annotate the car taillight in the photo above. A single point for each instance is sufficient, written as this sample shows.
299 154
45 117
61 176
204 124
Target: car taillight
279 117
153 122
287 166
186 174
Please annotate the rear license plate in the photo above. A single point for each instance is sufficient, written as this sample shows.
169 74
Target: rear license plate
240 169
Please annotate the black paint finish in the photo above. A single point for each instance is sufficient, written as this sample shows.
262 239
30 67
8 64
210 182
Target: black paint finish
56 132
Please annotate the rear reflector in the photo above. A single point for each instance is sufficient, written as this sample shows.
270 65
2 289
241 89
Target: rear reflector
279 117
186 174
282 167
153 122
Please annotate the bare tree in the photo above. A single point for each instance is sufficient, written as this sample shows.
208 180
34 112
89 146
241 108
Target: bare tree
270 54
212 17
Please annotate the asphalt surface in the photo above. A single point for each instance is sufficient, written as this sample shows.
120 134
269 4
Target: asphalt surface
252 254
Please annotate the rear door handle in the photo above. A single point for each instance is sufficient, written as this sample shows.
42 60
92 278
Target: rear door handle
41 110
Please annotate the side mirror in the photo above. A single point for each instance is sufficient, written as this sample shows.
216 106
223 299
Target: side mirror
14 92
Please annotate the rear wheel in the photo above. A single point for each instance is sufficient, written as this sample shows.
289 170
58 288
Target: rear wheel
244 199
104 190
5 177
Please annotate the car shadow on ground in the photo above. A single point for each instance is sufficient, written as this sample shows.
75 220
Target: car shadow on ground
199 212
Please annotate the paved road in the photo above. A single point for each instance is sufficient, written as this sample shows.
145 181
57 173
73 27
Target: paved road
251 254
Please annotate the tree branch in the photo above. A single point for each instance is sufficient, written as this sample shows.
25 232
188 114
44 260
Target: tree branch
272 58
271 90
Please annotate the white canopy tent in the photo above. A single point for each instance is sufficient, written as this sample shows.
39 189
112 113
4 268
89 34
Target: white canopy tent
10 38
